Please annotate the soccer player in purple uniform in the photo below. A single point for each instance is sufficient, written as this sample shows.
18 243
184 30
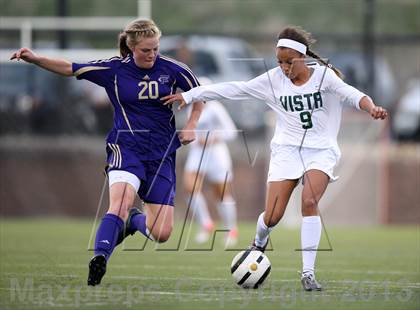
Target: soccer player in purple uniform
142 145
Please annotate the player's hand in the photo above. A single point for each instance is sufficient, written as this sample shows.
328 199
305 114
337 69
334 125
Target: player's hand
25 54
378 112
187 134
170 99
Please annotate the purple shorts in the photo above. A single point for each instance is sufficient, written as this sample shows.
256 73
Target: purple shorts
158 178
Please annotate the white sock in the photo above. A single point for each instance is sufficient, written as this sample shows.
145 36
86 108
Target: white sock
227 212
199 210
310 237
263 231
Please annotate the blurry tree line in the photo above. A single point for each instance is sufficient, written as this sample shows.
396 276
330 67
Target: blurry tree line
254 17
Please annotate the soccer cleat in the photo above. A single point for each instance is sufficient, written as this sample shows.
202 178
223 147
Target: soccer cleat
127 231
97 269
254 247
309 283
204 234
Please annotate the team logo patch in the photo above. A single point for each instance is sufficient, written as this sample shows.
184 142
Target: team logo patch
163 79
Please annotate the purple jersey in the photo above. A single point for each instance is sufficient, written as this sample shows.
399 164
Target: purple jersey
141 122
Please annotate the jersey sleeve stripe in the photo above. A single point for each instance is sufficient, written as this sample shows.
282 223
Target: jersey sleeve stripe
173 88
187 79
123 111
184 66
126 59
105 60
89 68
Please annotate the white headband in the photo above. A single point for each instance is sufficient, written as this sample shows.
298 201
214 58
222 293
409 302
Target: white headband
297 46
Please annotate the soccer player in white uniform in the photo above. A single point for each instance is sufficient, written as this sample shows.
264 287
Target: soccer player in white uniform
308 101
209 157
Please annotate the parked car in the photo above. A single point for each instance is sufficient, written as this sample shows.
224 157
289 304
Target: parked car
33 100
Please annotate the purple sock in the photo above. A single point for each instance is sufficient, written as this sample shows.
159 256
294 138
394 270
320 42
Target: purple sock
107 234
138 222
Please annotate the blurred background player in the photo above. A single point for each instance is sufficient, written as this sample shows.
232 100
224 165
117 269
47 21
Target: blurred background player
141 147
209 158
308 101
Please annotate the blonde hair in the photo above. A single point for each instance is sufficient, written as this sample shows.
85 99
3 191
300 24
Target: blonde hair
134 32
298 34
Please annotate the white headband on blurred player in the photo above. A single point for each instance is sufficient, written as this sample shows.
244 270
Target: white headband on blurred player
297 46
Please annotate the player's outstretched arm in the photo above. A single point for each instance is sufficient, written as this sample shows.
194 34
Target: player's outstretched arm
59 66
377 112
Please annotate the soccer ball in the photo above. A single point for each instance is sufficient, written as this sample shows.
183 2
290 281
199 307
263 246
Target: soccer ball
250 268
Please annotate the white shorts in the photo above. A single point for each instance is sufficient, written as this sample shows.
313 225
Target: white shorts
115 176
287 164
216 164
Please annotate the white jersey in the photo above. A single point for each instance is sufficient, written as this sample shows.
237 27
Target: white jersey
307 115
216 124
216 120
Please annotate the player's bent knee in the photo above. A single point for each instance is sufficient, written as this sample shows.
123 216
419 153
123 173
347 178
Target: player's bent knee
163 236
309 203
309 206
188 186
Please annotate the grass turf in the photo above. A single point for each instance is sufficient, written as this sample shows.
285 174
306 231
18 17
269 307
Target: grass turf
43 265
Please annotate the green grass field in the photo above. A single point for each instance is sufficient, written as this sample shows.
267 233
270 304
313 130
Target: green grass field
43 265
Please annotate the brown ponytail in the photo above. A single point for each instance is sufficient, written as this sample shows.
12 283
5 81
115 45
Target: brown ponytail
298 34
122 44
318 58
